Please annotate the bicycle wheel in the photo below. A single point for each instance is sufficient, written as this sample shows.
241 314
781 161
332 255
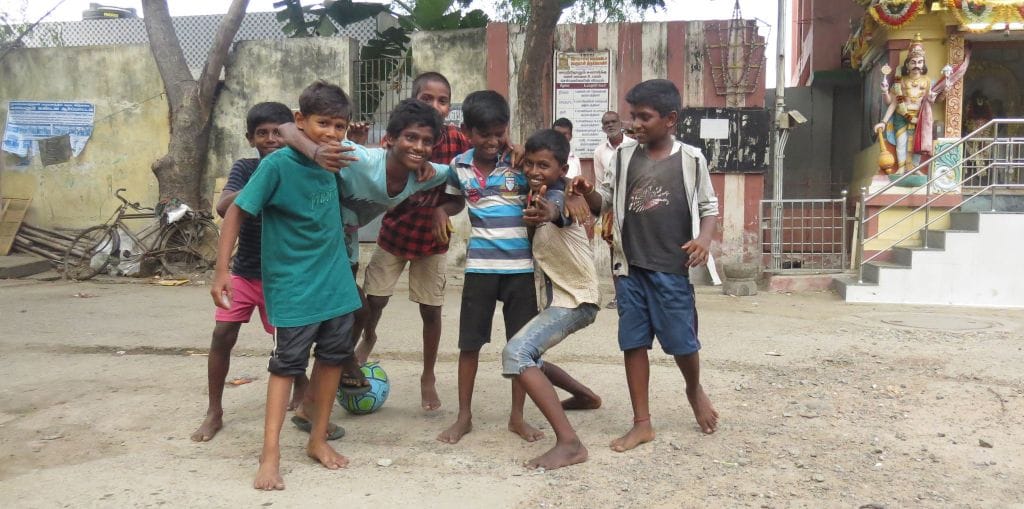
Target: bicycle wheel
189 246
91 252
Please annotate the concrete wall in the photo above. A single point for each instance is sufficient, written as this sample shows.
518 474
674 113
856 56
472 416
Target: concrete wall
132 128
130 132
277 70
457 54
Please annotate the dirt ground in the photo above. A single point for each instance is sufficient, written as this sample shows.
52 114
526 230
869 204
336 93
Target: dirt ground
823 404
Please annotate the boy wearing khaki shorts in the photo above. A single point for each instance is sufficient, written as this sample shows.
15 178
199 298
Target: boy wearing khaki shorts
415 233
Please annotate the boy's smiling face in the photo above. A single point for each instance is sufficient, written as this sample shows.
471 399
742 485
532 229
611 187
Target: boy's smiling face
487 142
542 169
413 146
649 125
322 128
436 94
266 138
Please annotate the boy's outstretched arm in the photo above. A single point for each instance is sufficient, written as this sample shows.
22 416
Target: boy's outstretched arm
697 249
221 289
330 156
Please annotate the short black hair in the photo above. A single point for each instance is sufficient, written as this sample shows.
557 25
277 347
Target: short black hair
660 95
549 139
484 109
267 112
327 99
412 113
562 122
427 77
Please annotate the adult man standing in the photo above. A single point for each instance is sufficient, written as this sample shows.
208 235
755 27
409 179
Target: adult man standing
603 154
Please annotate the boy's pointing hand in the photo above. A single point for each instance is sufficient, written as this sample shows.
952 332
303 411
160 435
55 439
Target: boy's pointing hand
580 186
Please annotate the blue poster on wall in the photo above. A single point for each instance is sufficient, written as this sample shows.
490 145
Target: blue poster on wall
31 121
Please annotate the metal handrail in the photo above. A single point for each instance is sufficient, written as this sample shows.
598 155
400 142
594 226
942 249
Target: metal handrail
995 141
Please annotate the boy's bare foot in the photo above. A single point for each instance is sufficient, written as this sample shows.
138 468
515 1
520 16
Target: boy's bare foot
707 416
210 426
456 431
524 430
561 455
582 402
268 477
641 433
325 454
298 391
428 394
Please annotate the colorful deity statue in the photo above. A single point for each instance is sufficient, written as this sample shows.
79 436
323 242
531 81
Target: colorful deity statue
907 123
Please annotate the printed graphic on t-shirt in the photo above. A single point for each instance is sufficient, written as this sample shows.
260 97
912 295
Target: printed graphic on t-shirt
647 195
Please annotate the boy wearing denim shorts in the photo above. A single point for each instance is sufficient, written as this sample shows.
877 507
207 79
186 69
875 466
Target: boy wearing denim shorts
664 213
309 287
261 125
562 251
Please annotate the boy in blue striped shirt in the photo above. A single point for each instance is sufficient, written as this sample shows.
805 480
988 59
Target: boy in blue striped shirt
499 265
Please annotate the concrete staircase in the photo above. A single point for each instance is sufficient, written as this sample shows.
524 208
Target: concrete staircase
979 261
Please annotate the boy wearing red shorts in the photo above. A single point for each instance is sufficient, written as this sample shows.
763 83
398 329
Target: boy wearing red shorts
261 125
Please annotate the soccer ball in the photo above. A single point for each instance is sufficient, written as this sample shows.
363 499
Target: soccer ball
371 400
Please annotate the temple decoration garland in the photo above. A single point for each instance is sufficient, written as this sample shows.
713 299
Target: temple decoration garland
896 13
980 15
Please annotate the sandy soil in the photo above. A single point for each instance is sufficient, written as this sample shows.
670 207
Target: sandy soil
823 404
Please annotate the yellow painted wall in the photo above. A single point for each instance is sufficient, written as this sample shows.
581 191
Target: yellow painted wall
131 130
913 225
132 127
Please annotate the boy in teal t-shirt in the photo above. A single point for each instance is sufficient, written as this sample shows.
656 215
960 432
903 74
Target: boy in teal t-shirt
309 288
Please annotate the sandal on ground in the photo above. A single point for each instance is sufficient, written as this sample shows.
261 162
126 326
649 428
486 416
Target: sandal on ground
334 432
354 384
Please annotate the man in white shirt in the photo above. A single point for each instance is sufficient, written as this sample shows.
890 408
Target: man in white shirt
605 152
564 126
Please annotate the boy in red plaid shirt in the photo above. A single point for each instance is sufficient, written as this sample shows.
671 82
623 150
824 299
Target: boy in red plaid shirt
416 233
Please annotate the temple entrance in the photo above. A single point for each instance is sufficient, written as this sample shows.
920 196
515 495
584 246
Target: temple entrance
992 89
992 85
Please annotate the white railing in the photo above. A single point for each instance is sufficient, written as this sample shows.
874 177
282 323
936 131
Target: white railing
992 160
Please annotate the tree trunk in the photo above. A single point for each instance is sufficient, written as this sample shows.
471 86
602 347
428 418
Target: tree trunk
535 66
179 173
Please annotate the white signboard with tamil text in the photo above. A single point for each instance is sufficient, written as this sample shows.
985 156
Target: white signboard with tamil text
581 95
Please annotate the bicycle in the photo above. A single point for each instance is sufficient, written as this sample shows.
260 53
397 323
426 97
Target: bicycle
185 245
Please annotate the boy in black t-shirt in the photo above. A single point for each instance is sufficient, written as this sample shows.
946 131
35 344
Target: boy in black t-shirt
261 131
665 212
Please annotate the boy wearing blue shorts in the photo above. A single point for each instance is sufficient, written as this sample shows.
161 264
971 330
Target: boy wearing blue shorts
309 287
261 130
664 211
562 251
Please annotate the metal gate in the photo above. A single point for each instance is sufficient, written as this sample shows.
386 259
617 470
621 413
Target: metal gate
380 84
808 236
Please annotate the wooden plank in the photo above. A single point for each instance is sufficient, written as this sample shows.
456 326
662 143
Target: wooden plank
14 210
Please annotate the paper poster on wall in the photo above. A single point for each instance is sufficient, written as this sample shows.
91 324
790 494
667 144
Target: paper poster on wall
581 95
28 122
